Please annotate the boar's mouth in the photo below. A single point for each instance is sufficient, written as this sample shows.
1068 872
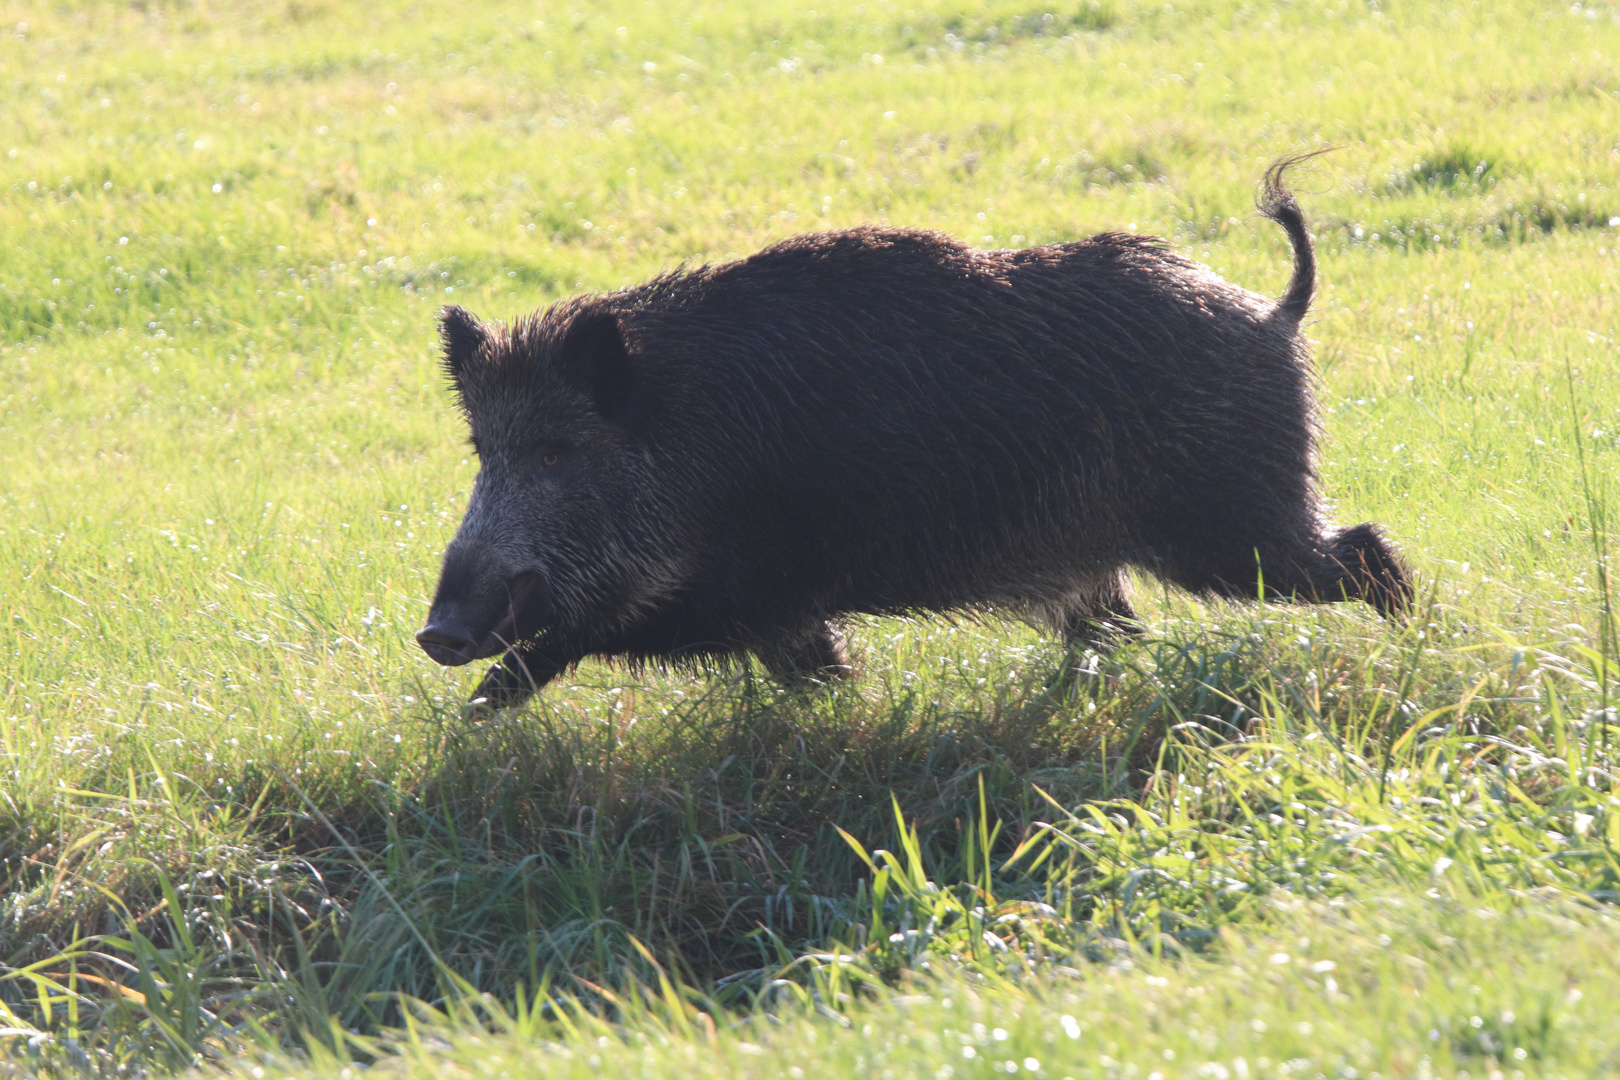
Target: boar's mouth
454 636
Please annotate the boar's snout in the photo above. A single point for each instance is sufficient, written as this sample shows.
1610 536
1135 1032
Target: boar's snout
477 613
446 640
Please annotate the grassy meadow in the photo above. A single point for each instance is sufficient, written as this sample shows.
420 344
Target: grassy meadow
245 825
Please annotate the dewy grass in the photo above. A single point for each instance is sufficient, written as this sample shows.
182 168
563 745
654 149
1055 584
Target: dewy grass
1596 493
1398 985
241 814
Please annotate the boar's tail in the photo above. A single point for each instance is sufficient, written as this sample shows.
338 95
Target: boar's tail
1277 203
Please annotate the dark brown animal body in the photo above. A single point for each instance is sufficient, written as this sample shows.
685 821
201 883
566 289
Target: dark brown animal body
884 421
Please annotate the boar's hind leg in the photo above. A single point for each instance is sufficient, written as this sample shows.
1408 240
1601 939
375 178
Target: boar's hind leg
521 672
1103 621
809 659
1353 564
1366 568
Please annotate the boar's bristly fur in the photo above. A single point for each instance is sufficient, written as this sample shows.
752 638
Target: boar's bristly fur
882 421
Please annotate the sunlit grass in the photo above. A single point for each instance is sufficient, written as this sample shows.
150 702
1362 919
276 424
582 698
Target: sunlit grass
1402 986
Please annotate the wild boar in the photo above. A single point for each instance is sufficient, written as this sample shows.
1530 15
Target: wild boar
731 458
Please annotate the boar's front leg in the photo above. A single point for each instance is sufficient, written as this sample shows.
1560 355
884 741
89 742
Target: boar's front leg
809 659
1103 621
522 672
1099 621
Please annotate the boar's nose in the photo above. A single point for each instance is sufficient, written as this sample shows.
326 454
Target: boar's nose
454 629
446 640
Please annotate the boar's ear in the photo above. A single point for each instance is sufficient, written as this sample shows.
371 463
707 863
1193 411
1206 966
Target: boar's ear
462 337
594 357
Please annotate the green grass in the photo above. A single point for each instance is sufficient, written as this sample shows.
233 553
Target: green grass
231 785
1389 987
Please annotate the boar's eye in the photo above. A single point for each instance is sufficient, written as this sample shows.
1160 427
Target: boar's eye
546 457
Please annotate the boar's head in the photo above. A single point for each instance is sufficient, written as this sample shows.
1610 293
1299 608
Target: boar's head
561 530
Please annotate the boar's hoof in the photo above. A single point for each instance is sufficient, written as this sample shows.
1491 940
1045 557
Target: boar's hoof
1370 570
810 661
1103 634
1098 627
519 675
1104 622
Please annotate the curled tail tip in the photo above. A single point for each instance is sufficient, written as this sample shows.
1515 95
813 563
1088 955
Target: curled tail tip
1275 199
1276 202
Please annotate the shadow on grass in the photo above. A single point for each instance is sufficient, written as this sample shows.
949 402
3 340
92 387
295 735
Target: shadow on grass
709 828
